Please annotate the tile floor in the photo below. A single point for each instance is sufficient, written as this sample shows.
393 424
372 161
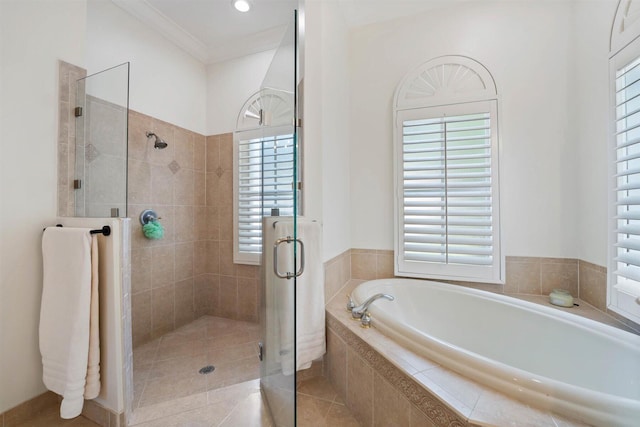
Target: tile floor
168 367
51 418
169 391
320 406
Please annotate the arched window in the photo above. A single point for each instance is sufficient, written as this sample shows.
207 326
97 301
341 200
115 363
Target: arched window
446 172
263 169
623 283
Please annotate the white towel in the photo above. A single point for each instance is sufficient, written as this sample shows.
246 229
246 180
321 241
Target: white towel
310 321
65 315
92 386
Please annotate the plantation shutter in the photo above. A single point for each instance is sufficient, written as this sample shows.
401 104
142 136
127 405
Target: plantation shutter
626 274
448 192
264 182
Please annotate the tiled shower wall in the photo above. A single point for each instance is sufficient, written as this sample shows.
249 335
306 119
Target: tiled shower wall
190 272
170 181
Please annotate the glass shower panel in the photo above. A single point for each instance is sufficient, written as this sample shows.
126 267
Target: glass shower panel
279 198
101 144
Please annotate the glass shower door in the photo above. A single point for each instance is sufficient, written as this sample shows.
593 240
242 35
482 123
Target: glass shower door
281 251
100 183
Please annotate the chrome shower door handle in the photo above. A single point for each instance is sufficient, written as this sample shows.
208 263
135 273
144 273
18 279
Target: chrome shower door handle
287 275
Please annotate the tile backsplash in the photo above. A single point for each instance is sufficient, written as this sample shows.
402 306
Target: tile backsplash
524 275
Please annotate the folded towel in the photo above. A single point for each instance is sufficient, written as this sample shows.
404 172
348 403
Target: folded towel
310 321
65 315
92 387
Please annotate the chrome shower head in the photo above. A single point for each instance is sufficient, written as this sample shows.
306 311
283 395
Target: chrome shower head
159 143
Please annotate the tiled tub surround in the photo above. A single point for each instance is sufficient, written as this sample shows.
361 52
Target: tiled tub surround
422 393
524 276
381 381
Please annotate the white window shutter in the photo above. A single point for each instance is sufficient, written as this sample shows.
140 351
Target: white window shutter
264 180
625 263
447 183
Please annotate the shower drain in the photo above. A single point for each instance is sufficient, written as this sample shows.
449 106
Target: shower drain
207 369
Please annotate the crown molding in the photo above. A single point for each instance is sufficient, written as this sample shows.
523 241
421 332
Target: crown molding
242 46
151 16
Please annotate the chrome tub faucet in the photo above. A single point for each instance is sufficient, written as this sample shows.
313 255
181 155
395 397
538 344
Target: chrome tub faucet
359 311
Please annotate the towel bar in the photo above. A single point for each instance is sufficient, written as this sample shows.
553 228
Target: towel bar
106 230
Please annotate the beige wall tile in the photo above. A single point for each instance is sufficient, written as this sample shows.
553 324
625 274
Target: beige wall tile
359 388
140 270
139 182
213 223
141 317
384 265
248 271
139 146
199 257
593 286
199 152
226 222
184 261
162 265
203 301
332 283
563 275
184 302
363 265
227 267
183 139
346 266
162 310
226 189
212 189
162 184
228 297
165 131
248 299
226 151
213 257
213 153
199 189
390 408
184 187
184 224
524 276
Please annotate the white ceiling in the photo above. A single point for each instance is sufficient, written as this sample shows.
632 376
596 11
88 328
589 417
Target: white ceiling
213 31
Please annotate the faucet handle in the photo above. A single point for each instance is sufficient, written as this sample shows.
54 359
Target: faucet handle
350 303
365 320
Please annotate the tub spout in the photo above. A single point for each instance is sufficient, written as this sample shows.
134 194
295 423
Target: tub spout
358 311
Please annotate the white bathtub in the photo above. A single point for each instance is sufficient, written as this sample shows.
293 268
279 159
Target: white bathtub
540 355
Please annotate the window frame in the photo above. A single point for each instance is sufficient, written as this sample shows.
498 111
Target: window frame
459 272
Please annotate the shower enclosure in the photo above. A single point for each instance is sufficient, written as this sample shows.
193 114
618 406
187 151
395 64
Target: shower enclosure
100 184
101 189
279 197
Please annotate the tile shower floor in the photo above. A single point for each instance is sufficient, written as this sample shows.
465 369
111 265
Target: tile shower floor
170 392
168 367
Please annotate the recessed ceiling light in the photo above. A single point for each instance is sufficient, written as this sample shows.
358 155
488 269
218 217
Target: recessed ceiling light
241 5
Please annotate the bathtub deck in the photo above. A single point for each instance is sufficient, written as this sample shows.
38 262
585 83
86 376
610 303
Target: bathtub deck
421 383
